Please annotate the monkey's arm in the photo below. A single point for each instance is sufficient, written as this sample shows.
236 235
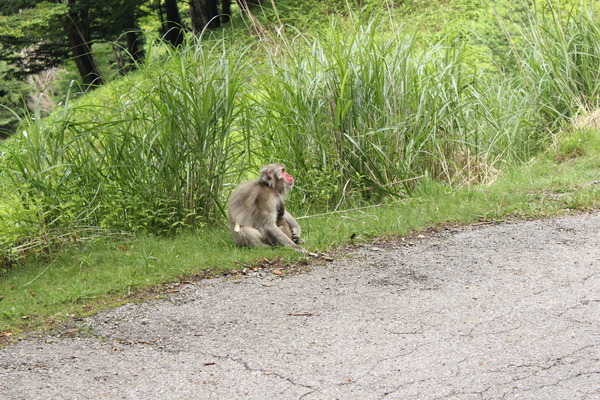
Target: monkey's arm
294 227
281 238
278 237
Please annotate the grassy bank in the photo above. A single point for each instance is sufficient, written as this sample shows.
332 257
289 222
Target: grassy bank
363 115
106 272
126 188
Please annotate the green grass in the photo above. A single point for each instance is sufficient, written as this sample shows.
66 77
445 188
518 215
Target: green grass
362 114
363 109
111 270
108 269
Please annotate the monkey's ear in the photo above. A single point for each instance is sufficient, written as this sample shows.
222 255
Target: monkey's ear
266 176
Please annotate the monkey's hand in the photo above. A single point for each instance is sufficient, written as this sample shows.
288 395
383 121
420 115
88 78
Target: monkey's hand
296 238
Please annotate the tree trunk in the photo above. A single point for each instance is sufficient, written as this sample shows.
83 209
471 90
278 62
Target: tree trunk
225 11
204 14
133 34
172 26
76 25
135 44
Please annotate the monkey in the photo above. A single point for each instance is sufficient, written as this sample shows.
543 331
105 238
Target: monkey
257 215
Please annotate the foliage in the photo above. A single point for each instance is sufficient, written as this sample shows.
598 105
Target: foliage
374 114
561 63
12 92
142 163
359 116
84 279
27 36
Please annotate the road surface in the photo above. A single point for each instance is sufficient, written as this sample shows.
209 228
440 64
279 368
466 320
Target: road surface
505 311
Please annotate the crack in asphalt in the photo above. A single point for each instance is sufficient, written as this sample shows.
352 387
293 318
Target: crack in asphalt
265 372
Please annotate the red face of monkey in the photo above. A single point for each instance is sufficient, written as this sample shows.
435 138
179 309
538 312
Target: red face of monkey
274 176
288 178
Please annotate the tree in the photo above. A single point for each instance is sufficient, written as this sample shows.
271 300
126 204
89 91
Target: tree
31 38
31 41
76 25
118 20
133 35
171 23
37 35
12 93
33 33
204 14
225 11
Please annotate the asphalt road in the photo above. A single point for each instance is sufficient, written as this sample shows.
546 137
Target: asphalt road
508 311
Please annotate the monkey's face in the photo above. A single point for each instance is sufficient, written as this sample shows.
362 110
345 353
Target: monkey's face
289 180
274 176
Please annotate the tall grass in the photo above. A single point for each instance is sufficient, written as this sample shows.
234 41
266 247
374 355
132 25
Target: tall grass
151 154
560 64
357 115
364 116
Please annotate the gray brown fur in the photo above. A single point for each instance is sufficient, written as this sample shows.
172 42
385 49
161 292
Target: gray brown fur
257 215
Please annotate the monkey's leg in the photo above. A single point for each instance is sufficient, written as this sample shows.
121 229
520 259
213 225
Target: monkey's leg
277 237
247 236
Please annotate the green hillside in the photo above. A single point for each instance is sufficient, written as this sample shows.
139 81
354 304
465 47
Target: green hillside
392 116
